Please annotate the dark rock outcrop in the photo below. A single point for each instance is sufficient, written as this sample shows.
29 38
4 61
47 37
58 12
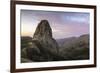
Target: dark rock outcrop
43 35
43 46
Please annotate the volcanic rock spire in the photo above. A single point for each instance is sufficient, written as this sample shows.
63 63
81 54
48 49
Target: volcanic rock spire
43 47
44 40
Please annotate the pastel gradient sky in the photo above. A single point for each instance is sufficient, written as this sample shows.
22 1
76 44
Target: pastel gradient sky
63 24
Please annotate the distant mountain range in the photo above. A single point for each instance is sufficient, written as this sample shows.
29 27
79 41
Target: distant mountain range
74 47
72 40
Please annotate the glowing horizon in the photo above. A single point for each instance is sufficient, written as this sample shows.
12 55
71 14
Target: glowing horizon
63 24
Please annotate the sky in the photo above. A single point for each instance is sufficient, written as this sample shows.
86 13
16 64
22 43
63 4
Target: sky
63 24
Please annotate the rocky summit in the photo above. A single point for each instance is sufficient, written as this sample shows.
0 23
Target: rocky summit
43 46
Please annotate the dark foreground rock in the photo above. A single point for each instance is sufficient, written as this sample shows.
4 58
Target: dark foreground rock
43 46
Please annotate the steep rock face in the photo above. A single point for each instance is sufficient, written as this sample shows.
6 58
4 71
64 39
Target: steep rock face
44 40
43 35
43 46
